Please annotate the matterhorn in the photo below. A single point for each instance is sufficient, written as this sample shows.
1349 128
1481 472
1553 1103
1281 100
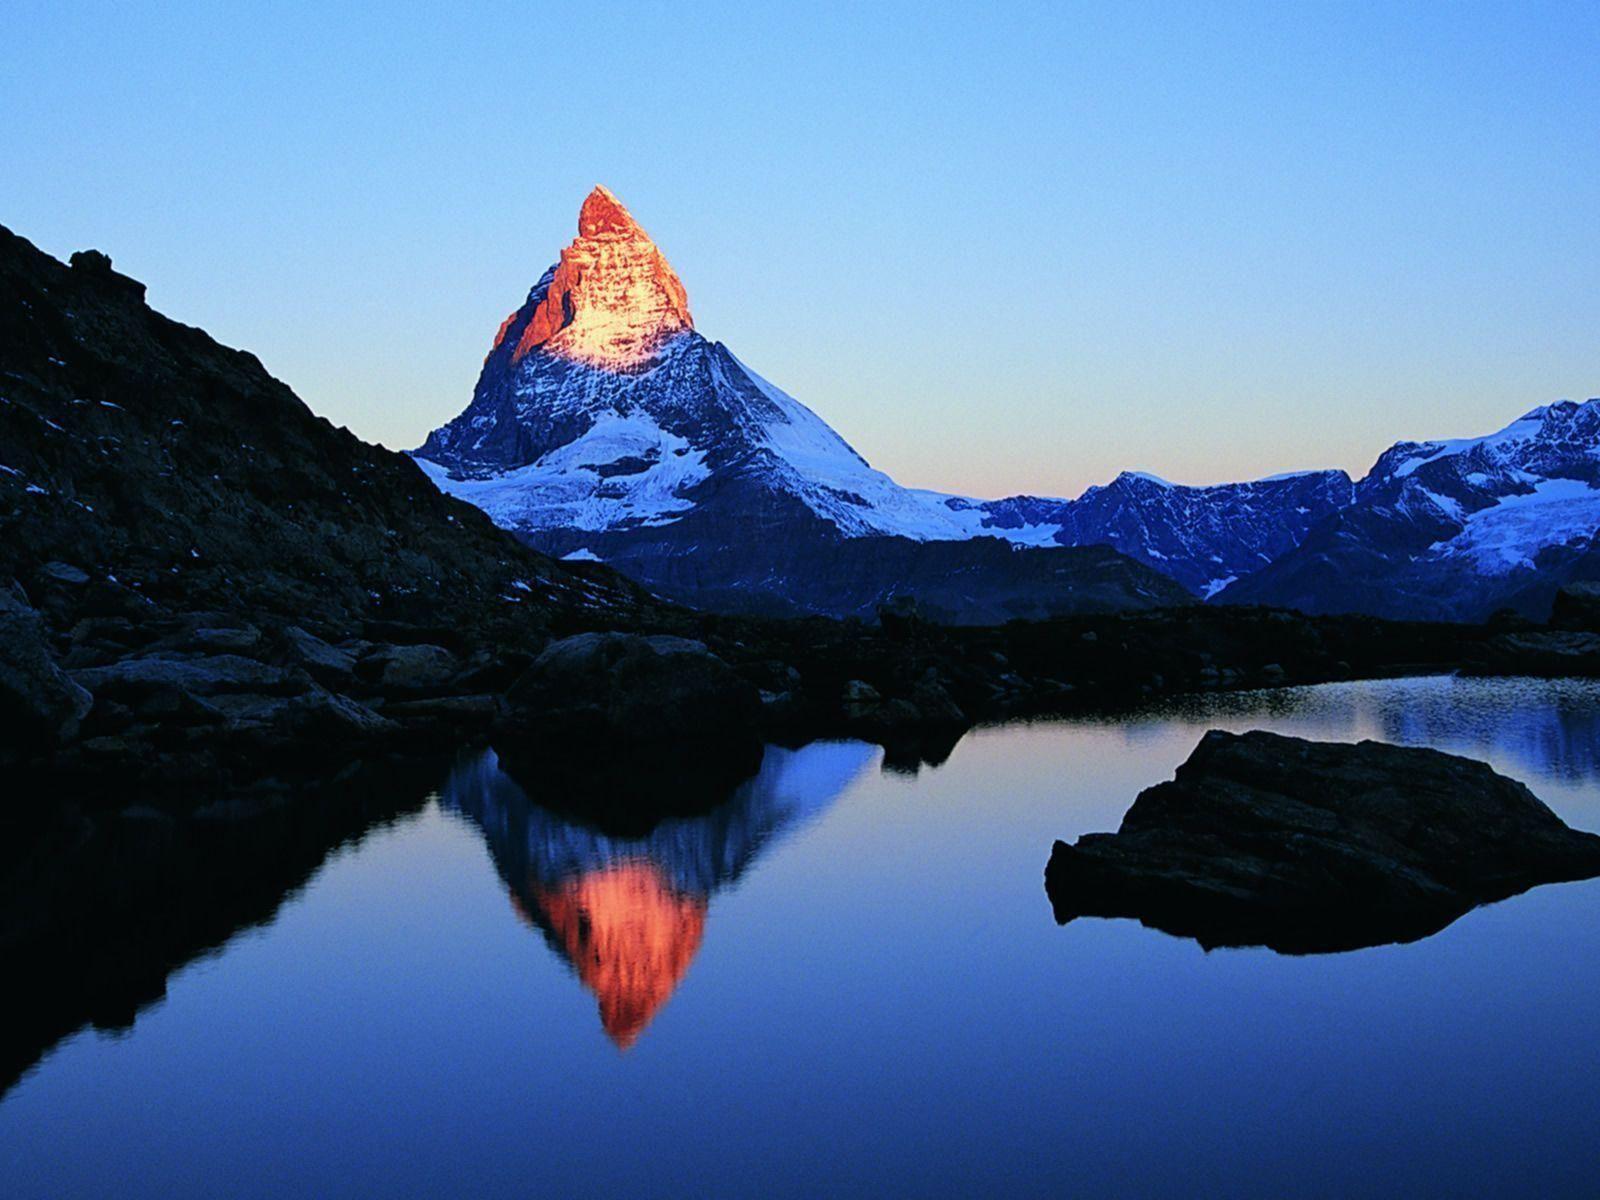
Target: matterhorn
604 426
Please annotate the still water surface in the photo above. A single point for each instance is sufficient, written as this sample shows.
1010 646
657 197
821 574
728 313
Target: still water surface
848 982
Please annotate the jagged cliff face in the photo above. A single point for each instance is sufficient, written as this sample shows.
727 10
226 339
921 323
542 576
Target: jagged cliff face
611 302
1203 537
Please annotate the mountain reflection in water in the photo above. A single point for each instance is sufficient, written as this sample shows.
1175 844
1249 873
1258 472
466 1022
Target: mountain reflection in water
629 913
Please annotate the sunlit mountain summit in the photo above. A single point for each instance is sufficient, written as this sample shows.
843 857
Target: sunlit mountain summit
612 301
629 913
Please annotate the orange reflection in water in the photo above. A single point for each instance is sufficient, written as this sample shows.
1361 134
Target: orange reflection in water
630 936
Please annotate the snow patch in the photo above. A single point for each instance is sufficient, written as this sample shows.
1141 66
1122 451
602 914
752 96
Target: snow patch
570 488
1522 429
1509 535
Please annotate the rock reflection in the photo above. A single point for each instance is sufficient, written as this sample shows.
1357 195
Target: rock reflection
629 913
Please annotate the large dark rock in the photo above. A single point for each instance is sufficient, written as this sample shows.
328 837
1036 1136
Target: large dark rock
1577 606
1552 653
206 675
1313 846
626 729
412 668
636 690
37 701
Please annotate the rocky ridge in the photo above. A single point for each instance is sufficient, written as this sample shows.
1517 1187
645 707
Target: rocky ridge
1456 529
611 301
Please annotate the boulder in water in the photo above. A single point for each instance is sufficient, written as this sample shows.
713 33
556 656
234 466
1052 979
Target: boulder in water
1316 846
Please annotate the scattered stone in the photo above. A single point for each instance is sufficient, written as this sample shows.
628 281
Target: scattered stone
860 699
169 704
933 701
242 639
60 572
325 663
476 709
637 689
37 700
1546 652
1577 606
246 711
858 691
412 668
206 676
324 716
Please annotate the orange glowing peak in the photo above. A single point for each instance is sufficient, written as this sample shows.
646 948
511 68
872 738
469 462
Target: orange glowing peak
613 301
602 212
629 935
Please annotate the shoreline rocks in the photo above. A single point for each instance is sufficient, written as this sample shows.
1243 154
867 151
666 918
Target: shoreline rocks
626 729
37 699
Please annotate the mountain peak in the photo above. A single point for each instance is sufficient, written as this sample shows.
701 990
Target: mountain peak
603 213
612 300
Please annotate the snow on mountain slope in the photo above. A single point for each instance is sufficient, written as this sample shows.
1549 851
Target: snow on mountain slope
1508 536
815 463
1509 495
621 471
1454 528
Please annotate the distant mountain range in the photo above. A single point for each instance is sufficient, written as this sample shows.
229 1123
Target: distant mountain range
1454 529
604 427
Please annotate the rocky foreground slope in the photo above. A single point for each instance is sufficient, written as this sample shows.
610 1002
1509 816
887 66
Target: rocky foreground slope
186 549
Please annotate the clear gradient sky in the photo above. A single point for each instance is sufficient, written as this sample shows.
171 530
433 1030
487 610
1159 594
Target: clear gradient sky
1000 248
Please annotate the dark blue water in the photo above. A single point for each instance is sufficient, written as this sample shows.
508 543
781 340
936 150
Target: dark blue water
848 983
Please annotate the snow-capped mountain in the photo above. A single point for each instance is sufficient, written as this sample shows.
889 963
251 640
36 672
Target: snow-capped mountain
619 417
604 426
1455 529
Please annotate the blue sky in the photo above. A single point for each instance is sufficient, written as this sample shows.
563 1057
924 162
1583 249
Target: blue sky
1013 248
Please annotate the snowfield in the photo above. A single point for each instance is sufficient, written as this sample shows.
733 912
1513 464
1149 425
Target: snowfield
1508 535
